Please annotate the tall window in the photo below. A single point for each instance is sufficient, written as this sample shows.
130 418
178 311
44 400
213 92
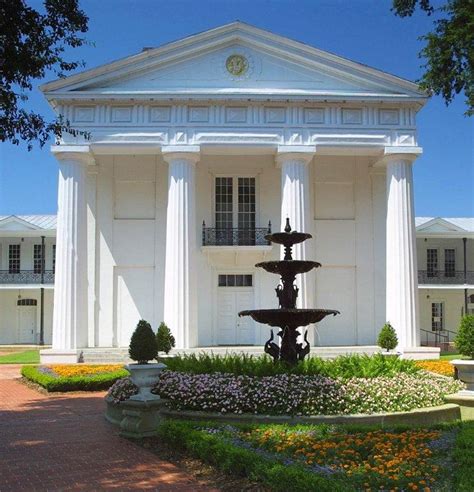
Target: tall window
224 203
235 209
14 258
37 258
437 316
449 263
54 258
432 262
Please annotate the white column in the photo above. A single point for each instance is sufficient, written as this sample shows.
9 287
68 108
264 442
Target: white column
295 204
180 303
401 274
70 287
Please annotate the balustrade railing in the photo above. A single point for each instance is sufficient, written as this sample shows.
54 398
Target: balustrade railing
213 236
444 277
26 277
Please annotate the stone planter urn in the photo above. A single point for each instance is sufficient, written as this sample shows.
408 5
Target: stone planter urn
465 370
145 376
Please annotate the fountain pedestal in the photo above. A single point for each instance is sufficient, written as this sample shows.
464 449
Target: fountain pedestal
288 317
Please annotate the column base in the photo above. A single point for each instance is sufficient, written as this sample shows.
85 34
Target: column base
56 356
420 353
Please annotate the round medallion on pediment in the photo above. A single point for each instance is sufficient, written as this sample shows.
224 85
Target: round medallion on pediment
237 65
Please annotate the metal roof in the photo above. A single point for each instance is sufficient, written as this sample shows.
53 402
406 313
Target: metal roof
46 222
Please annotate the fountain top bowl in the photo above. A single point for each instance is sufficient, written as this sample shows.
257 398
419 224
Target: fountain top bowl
288 239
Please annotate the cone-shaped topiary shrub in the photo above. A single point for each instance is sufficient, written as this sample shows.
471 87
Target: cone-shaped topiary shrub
143 343
388 339
164 339
464 340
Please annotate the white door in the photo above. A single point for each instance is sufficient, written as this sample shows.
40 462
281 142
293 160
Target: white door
27 324
232 330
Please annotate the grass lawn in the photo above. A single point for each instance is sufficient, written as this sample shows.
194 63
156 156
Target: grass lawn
331 458
452 356
25 357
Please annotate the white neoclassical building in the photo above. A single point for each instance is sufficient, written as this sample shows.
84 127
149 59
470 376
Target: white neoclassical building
197 149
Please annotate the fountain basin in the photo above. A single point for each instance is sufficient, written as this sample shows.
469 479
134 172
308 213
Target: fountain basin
288 267
291 317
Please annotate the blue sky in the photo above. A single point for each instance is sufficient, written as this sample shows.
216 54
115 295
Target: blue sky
362 30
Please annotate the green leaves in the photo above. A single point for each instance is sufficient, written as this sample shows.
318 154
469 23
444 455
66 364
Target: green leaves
464 340
449 49
164 339
32 42
143 343
346 366
387 339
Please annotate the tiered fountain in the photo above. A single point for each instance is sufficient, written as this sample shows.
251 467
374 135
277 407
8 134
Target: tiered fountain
288 317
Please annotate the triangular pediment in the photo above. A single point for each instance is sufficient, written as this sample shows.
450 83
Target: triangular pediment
13 223
273 65
438 225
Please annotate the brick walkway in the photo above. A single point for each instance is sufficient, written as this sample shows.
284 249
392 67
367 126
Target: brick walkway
57 443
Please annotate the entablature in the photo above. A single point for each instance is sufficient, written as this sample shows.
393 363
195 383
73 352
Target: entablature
325 124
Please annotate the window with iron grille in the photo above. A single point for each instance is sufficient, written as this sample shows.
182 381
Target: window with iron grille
437 316
235 280
14 258
54 258
37 258
432 262
449 262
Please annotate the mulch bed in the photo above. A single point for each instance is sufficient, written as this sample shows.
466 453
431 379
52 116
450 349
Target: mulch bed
205 474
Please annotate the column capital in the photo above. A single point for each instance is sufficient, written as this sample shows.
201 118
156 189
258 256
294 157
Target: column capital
80 153
407 154
181 152
302 153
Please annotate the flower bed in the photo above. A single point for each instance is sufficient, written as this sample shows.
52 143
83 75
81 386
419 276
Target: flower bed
295 395
74 377
443 367
330 458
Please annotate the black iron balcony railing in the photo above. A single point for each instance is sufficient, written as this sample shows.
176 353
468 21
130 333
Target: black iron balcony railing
26 277
445 277
213 236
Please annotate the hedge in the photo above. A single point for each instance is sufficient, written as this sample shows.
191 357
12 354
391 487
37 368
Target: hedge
235 461
94 382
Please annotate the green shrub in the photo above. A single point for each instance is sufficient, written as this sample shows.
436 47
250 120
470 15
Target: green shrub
345 366
464 340
96 382
143 343
388 339
164 339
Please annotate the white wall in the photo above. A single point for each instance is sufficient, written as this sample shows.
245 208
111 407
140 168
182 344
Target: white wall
130 212
423 244
26 251
453 307
349 241
10 314
349 230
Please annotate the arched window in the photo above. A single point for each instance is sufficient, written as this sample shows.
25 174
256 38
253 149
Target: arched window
27 302
471 298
